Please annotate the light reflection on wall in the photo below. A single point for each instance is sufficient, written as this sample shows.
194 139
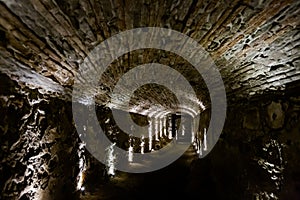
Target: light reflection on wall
36 165
274 165
111 160
82 166
130 151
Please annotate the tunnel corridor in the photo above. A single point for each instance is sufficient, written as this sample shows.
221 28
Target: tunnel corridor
140 99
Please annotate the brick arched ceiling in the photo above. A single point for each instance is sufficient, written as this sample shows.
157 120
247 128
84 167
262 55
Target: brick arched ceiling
255 44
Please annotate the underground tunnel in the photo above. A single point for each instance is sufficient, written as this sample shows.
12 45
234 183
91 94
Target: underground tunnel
140 99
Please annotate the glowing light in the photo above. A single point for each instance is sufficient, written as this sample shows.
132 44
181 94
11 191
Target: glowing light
188 110
155 110
82 166
150 134
130 152
161 127
156 129
170 129
165 126
200 148
136 109
193 135
142 145
205 142
111 159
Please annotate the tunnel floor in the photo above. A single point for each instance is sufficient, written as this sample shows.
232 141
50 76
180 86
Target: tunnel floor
169 182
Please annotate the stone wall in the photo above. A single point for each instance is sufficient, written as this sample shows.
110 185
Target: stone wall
38 145
257 156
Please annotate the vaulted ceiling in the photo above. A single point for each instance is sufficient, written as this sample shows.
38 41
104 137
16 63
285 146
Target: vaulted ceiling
254 44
